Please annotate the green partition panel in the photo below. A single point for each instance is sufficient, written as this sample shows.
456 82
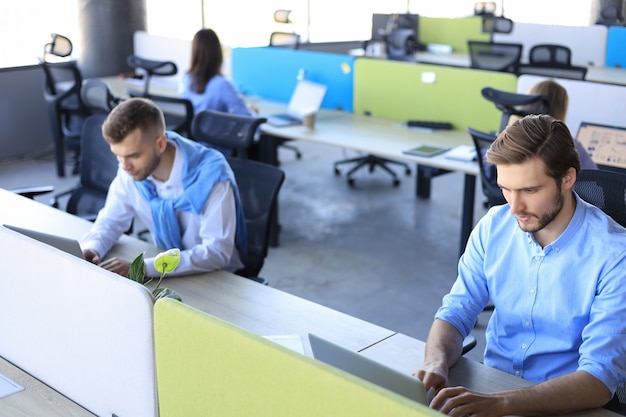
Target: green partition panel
207 367
453 32
405 91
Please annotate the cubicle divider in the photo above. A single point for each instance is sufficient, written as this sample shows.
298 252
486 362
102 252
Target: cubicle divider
587 43
78 328
588 101
404 91
272 73
206 366
453 32
616 47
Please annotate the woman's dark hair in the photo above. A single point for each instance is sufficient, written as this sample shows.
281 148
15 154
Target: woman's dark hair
540 136
206 59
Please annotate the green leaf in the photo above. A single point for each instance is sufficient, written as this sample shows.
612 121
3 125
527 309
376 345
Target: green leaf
165 293
136 271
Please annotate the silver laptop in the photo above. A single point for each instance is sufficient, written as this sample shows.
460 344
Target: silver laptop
368 369
306 99
606 145
65 244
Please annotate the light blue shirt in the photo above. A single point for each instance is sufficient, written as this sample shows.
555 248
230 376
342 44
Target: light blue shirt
219 95
558 309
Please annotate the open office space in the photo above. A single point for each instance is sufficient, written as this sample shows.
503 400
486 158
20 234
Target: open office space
379 253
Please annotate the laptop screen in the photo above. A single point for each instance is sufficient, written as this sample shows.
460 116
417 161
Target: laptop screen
605 144
307 98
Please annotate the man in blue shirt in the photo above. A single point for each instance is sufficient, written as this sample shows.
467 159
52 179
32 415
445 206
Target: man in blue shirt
555 268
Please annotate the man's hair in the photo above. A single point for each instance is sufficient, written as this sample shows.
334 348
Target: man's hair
540 136
132 114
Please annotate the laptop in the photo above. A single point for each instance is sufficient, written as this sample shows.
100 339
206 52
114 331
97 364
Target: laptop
368 369
65 244
306 99
605 144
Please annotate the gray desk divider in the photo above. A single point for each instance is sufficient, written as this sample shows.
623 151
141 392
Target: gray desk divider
83 331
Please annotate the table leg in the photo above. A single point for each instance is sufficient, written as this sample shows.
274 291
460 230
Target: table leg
467 217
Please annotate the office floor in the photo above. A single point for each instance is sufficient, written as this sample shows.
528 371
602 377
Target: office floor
373 251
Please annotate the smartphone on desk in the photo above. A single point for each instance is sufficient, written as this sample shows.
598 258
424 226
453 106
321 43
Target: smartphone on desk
426 150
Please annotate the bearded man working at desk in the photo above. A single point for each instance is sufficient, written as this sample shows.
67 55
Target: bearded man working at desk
555 268
184 192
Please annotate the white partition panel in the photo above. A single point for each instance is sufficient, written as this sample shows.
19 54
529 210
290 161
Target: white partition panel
588 101
588 43
83 331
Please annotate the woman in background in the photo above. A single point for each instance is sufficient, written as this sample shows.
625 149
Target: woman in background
559 101
203 84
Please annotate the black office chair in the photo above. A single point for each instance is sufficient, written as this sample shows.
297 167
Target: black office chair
148 68
371 162
488 177
97 96
178 112
511 104
552 60
258 185
97 171
232 134
605 190
62 86
495 56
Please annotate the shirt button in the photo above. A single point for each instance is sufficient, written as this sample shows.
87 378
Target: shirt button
532 291
524 345
526 323
516 373
537 257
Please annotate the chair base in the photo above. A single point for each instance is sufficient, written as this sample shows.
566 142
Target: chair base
292 148
371 162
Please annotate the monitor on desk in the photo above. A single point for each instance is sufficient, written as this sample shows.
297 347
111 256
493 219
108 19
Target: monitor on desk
605 144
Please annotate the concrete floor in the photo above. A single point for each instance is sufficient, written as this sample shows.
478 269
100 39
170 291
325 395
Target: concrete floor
373 251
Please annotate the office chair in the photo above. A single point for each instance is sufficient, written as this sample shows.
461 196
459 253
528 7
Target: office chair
488 177
97 171
371 161
552 60
495 56
515 104
605 190
97 96
178 112
149 68
288 40
62 86
232 134
258 184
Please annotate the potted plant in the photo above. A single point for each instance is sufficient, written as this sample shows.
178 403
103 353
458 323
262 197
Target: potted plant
164 262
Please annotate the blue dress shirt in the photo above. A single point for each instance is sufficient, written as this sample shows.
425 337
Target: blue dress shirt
219 95
558 309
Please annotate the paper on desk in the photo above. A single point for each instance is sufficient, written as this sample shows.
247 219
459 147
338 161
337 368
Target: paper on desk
462 153
8 387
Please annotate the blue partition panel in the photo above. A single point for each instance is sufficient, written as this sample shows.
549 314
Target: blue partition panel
616 47
272 73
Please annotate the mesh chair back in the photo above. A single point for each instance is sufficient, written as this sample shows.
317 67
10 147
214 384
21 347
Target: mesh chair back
488 176
97 97
552 60
258 185
495 56
151 67
97 170
515 104
605 190
230 133
178 112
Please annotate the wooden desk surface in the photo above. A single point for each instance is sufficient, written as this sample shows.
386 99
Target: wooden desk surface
406 354
37 399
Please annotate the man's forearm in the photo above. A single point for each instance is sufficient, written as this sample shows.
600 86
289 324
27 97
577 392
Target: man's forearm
444 344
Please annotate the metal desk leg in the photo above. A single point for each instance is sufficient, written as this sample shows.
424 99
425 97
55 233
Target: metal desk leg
467 218
268 153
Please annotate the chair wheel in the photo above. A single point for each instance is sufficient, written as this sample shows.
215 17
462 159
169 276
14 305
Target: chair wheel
407 171
351 182
396 182
337 172
298 155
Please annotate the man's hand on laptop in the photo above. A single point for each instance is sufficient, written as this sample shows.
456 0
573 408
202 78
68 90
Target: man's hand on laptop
92 256
117 265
